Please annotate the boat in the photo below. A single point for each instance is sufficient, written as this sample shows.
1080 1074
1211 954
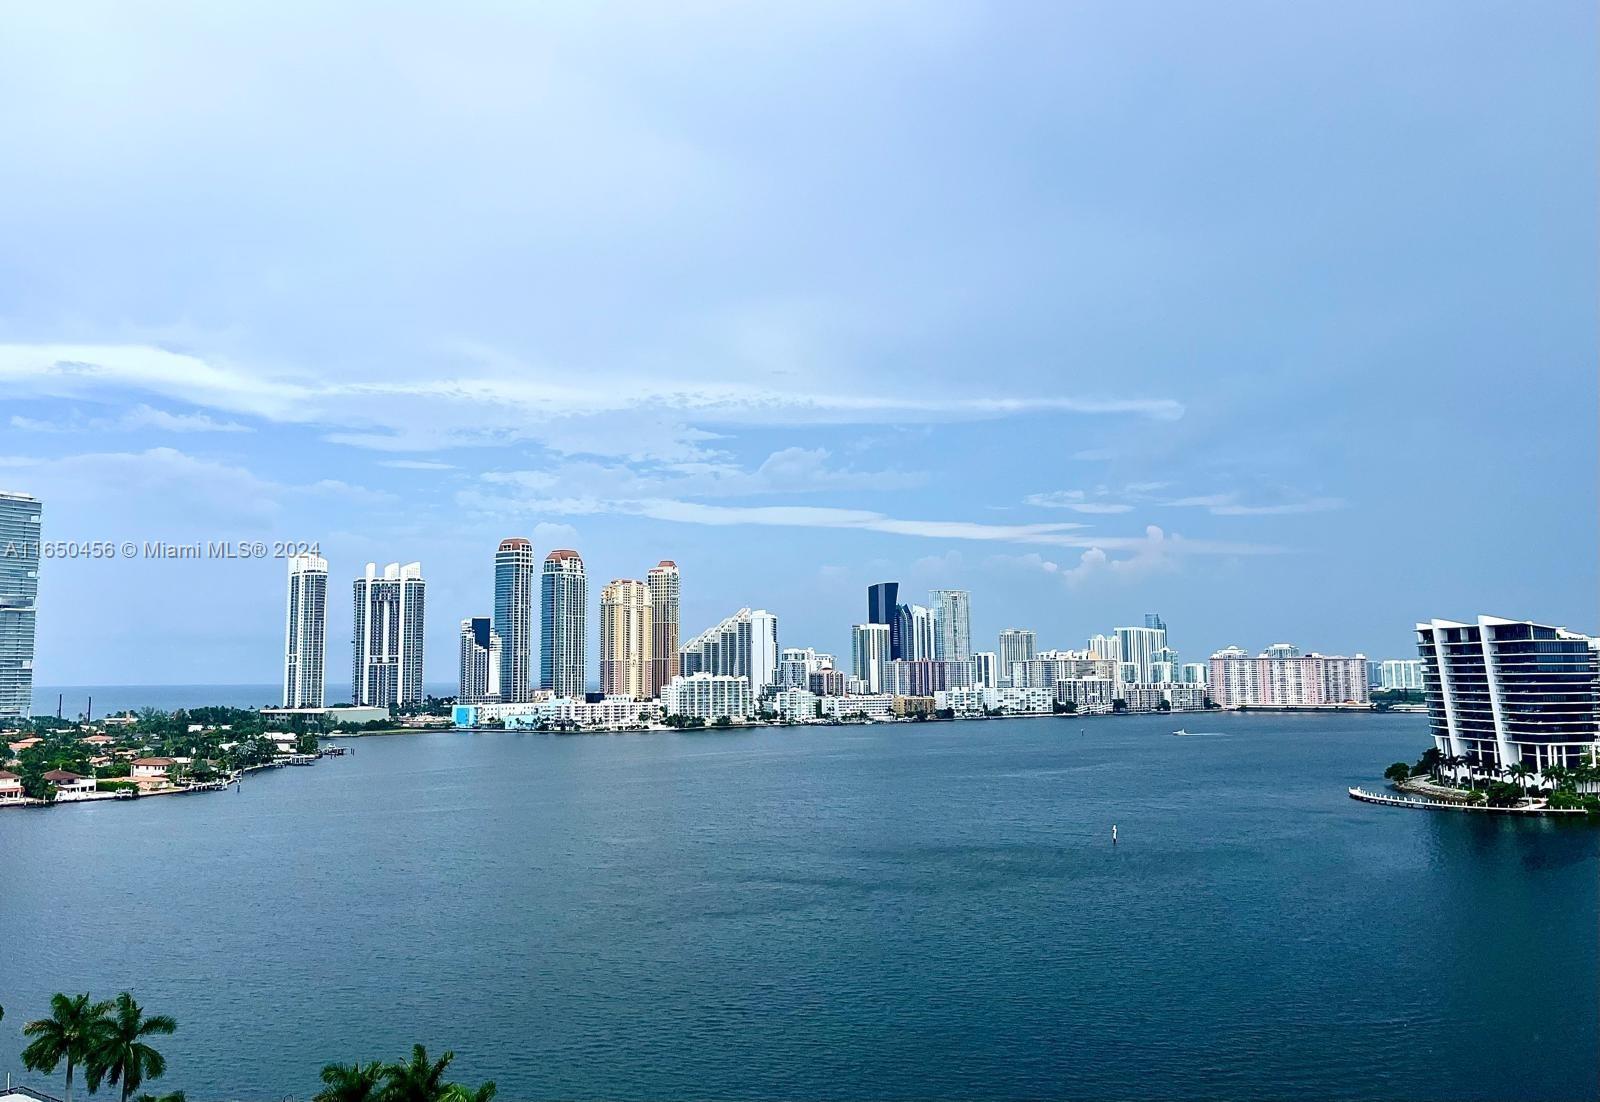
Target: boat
1180 731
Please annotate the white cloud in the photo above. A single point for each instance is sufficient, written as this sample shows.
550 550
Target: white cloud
1155 552
546 534
148 417
1074 501
416 465
1312 505
612 413
1100 500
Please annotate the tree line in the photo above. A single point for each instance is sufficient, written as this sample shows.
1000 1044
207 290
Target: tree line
109 1043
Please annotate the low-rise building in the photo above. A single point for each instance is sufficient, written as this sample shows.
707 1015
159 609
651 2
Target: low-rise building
607 713
874 706
908 707
10 788
962 703
1184 697
70 786
1020 700
151 771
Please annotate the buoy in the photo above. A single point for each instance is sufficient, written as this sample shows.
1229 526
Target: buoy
1113 833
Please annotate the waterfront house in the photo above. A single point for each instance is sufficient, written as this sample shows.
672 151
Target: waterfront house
151 771
70 786
10 788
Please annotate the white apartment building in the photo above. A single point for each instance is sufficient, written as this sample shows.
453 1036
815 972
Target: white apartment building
480 661
1089 696
305 641
795 705
386 649
918 640
1186 698
743 645
873 706
1506 692
1404 674
708 696
952 613
1016 645
1020 700
869 656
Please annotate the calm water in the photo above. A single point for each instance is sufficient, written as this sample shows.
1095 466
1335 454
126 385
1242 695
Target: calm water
904 912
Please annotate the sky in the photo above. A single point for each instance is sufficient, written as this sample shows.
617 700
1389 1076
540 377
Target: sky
1278 320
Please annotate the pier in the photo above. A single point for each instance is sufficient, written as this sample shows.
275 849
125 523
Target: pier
1440 805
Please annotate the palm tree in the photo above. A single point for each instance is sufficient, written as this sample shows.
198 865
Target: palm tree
422 1080
351 1082
69 1033
455 1092
121 1056
1521 771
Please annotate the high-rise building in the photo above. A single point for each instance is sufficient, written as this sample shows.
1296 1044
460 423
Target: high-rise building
626 639
869 655
796 665
1104 646
386 646
513 617
743 645
1234 678
1502 692
918 639
1193 673
1139 647
1282 677
1404 674
984 675
883 607
1016 646
563 624
952 612
663 581
305 640
19 595
1153 620
481 667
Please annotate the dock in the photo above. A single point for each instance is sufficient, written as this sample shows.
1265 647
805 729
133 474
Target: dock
1441 805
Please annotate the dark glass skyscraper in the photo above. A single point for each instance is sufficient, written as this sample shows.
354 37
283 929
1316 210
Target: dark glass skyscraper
883 607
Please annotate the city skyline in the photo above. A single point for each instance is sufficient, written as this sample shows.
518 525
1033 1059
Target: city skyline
1060 338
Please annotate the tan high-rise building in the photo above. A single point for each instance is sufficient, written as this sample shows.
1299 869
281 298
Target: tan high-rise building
663 582
625 639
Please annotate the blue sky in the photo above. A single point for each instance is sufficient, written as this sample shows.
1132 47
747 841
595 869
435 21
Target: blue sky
1277 319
